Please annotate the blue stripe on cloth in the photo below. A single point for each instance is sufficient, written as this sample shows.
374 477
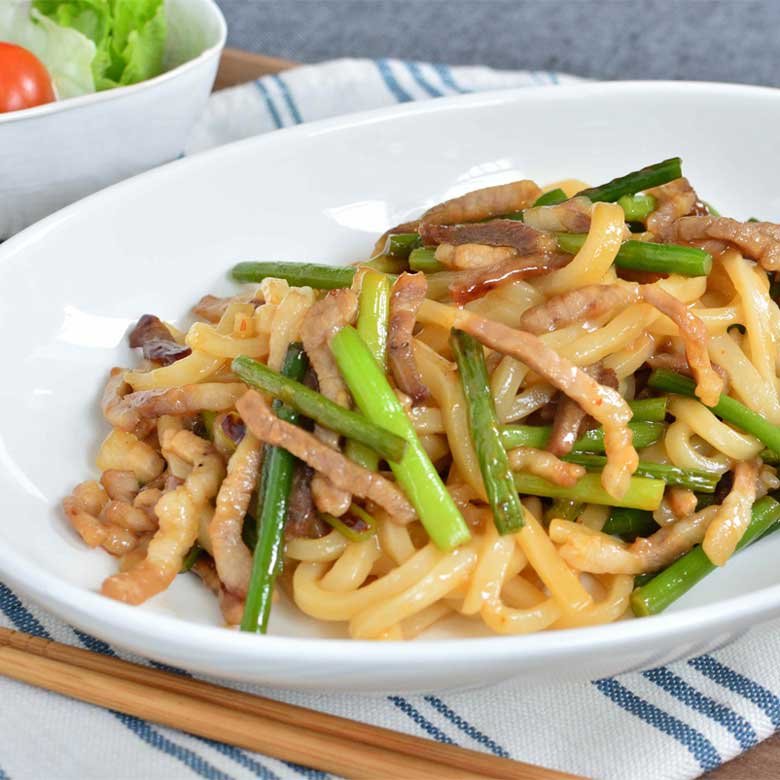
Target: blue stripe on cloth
169 669
738 683
14 610
24 620
269 103
687 694
466 727
432 731
288 98
695 742
391 82
241 757
417 75
93 643
448 79
312 774
152 737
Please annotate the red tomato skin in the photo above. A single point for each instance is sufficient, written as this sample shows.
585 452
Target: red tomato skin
24 81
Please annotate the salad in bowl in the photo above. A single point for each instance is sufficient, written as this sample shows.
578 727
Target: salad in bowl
85 46
94 91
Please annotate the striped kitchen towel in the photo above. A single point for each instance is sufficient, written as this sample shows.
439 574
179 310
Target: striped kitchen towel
672 722
342 87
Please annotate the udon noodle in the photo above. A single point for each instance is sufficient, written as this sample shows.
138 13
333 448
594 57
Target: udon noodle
626 341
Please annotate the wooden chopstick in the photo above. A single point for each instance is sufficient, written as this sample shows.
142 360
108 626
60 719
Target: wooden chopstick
290 733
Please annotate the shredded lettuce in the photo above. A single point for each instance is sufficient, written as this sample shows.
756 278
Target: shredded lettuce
89 45
129 35
139 38
66 52
91 18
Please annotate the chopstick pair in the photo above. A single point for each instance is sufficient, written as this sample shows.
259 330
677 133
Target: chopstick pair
332 744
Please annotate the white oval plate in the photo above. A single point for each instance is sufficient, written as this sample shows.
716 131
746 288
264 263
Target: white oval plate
71 285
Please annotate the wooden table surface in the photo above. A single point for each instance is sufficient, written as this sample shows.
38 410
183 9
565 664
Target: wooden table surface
760 763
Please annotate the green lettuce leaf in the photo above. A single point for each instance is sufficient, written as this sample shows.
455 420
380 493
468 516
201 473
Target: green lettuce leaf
129 36
92 18
139 38
66 52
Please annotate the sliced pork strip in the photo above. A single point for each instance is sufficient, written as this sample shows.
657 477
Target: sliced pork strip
524 239
759 241
734 514
604 404
585 303
464 257
232 557
483 204
693 333
571 216
567 423
116 408
570 419
341 471
673 200
598 300
468 285
325 318
598 553
186 399
407 295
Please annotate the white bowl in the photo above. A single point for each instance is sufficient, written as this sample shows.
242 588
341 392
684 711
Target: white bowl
55 154
71 285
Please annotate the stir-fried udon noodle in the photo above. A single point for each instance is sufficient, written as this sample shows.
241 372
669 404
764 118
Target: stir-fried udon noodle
539 408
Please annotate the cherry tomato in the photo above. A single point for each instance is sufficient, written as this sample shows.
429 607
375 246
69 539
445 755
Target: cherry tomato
24 81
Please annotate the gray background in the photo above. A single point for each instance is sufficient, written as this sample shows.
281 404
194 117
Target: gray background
713 40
